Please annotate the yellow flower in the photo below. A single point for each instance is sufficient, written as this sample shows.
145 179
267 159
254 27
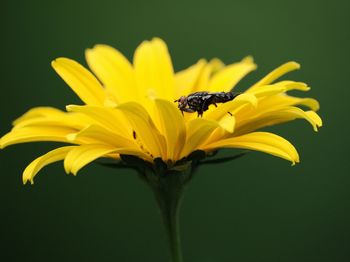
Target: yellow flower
129 110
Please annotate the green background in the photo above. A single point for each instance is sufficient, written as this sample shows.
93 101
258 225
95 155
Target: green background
258 208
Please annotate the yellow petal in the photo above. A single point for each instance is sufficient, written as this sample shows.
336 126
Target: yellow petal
197 132
37 112
216 113
154 70
35 134
80 156
186 79
216 65
172 126
70 120
275 74
207 71
144 128
260 141
315 118
82 82
53 156
226 128
109 118
227 78
102 136
228 123
286 100
278 88
114 70
311 103
268 90
202 83
276 117
292 85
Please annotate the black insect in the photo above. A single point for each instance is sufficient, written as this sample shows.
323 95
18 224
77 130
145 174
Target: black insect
200 101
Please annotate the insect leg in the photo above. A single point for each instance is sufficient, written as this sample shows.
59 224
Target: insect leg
188 110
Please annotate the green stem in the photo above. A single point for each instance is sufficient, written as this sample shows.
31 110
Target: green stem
169 198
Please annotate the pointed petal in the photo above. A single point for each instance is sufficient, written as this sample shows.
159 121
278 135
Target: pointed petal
102 136
222 110
37 112
226 127
172 126
186 79
99 135
216 65
53 156
82 82
311 103
154 70
109 118
276 117
80 156
314 119
275 74
144 127
227 78
259 141
35 134
69 120
278 88
228 123
281 100
203 79
268 90
198 131
114 70
292 85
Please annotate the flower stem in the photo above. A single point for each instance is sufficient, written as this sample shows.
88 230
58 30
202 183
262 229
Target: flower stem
169 198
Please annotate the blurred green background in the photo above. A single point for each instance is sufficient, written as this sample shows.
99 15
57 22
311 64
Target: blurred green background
258 208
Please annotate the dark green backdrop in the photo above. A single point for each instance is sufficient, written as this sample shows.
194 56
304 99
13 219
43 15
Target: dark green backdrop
258 208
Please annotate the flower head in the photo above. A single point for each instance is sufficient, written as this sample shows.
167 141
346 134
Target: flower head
129 109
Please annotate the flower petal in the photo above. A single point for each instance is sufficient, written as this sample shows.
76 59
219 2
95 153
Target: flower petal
216 113
98 135
80 156
144 128
109 118
260 141
281 100
186 79
172 126
197 132
268 90
226 127
276 117
202 83
102 136
37 112
35 134
275 74
53 156
154 70
228 123
114 70
82 82
69 120
227 78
